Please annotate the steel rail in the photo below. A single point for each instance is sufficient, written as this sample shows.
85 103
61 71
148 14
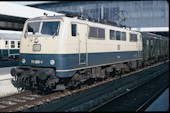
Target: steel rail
121 95
46 98
147 103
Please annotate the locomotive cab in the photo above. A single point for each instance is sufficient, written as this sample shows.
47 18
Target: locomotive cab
41 40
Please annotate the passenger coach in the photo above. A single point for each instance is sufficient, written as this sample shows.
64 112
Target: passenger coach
9 46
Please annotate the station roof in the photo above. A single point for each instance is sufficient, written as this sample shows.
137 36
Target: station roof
12 36
16 10
13 16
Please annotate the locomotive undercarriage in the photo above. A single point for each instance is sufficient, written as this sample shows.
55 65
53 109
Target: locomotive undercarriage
38 79
44 79
151 60
102 72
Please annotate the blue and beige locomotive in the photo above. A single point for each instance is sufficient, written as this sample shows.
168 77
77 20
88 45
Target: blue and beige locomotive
9 46
58 52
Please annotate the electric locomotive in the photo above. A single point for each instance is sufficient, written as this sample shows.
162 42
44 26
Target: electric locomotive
58 52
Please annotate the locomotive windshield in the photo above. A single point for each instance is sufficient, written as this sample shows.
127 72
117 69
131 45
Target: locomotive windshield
50 28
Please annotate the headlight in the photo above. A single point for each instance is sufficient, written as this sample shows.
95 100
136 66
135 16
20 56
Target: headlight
36 47
52 62
23 61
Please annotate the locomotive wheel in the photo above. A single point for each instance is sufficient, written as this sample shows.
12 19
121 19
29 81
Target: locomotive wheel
20 89
43 75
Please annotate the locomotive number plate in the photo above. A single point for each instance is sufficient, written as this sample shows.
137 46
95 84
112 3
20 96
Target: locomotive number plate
36 47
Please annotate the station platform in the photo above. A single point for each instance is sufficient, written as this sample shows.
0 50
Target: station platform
161 103
7 86
5 73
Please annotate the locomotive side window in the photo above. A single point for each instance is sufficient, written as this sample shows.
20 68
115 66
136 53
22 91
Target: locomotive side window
112 34
12 44
124 36
93 32
133 37
118 35
73 29
101 33
97 33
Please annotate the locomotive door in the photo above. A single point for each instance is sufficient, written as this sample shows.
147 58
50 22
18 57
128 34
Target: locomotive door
82 43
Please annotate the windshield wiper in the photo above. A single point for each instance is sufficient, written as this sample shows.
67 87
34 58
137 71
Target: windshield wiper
56 31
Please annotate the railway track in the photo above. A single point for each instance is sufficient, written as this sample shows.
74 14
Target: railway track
92 97
139 97
9 103
65 100
27 99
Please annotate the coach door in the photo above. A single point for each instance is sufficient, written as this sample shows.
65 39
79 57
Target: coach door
82 39
139 45
7 47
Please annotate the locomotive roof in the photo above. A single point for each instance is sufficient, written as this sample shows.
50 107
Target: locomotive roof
10 36
46 17
62 16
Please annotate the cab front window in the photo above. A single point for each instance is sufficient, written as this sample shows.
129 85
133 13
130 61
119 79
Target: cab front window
50 28
33 27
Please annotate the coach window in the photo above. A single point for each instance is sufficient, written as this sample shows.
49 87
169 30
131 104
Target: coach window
118 35
112 34
18 44
6 44
124 36
151 42
12 44
147 42
73 29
